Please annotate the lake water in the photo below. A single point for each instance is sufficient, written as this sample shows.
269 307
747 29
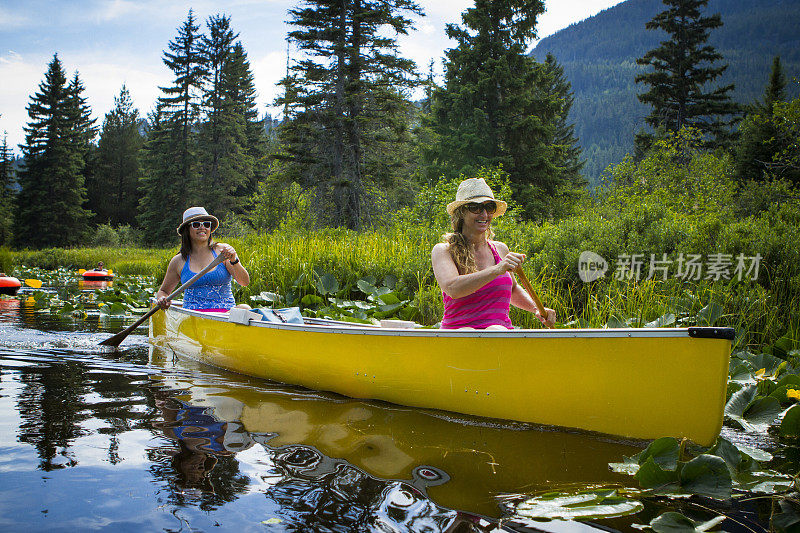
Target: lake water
142 439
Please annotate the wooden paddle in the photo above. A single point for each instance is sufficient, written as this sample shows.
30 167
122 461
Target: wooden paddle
35 283
119 337
527 285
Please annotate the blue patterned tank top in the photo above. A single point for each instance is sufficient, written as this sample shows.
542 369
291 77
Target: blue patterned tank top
212 291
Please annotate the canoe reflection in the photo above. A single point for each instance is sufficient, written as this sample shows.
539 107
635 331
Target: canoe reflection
461 462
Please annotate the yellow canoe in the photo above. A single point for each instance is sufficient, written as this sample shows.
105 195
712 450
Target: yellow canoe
641 382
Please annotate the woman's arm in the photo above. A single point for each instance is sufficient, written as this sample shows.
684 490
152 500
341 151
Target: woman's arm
458 285
520 297
233 264
171 280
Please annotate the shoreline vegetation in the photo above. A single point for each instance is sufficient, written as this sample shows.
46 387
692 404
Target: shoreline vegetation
678 205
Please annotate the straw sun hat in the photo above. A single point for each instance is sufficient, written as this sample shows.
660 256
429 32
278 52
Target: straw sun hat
198 213
475 190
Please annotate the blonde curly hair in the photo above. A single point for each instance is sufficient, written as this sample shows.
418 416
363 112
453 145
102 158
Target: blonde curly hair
461 250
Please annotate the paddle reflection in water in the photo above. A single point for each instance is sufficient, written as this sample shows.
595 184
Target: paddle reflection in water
460 462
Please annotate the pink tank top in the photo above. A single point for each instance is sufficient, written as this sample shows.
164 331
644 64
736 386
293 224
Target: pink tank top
485 307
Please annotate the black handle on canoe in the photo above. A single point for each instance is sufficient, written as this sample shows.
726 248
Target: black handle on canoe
119 337
711 333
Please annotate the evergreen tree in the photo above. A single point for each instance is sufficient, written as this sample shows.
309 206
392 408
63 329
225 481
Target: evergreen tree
51 200
564 139
346 138
499 107
776 88
758 141
171 180
240 91
113 188
682 67
6 193
226 165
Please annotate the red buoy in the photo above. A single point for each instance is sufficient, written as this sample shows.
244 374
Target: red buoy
9 285
98 275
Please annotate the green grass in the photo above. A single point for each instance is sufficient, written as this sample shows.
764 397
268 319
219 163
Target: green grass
292 260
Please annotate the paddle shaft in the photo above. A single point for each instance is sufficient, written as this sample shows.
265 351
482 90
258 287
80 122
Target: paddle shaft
119 337
527 285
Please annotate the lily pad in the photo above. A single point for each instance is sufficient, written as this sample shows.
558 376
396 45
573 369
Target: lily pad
583 505
673 522
790 425
327 284
707 475
615 322
789 517
662 321
709 315
753 414
365 286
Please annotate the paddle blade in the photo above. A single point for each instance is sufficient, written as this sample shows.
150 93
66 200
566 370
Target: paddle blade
119 337
110 271
116 339
35 283
81 271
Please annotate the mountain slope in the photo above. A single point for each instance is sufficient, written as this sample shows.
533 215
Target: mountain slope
599 58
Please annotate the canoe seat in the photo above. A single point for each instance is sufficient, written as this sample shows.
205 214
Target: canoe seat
239 315
287 315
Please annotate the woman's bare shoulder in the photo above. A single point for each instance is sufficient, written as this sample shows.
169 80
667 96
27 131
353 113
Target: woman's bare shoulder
502 248
176 261
440 248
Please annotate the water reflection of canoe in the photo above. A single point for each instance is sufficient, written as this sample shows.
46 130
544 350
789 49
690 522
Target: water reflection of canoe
640 383
480 459
97 275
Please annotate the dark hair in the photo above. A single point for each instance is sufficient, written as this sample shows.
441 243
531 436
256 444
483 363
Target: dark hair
186 242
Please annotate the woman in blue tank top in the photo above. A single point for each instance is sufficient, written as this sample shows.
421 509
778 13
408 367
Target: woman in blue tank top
212 292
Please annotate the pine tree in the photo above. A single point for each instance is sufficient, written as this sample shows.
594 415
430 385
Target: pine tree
51 200
6 193
498 107
346 137
776 88
113 188
240 91
569 151
226 165
759 142
682 67
171 180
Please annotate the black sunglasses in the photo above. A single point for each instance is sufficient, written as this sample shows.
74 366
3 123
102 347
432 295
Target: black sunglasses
204 223
490 207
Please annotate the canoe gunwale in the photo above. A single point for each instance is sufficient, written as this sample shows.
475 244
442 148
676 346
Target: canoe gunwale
339 327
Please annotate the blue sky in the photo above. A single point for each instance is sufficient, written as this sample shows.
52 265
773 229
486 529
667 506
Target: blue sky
111 42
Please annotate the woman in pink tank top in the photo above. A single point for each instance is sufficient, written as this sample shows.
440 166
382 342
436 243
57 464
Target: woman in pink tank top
473 271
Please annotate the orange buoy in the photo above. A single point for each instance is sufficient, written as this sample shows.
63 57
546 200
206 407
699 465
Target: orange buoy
9 285
97 275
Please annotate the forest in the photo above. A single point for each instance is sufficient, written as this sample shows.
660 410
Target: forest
352 138
599 60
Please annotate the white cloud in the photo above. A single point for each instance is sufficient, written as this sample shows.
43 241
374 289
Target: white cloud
268 69
21 77
559 14
117 9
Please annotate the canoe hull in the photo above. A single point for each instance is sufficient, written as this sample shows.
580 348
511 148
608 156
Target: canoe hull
633 383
